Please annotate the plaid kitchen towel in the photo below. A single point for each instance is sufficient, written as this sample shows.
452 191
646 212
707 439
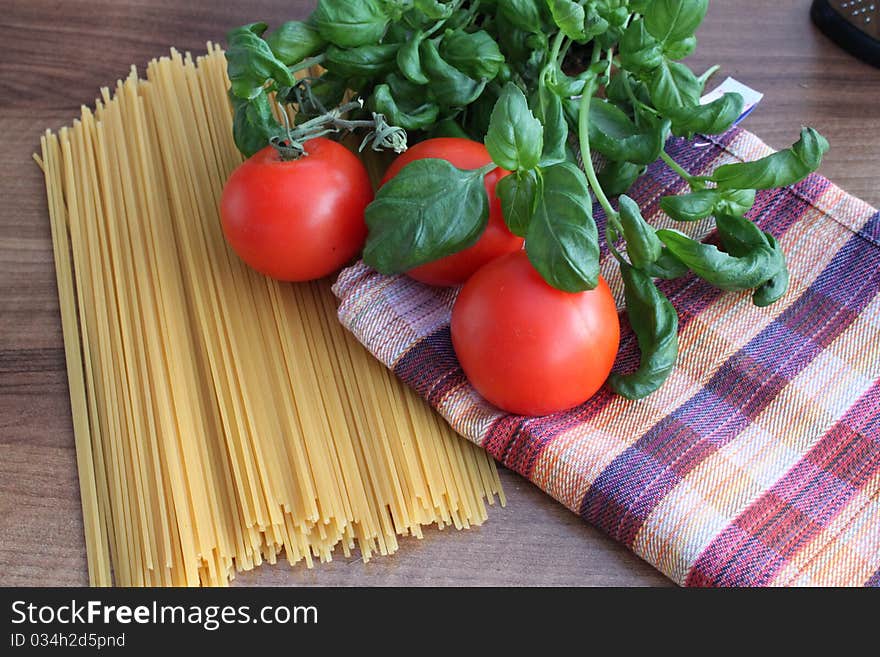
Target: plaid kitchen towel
758 463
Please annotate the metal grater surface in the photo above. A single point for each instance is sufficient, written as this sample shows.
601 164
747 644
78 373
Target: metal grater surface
863 14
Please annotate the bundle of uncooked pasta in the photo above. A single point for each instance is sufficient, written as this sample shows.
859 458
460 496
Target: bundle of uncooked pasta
221 418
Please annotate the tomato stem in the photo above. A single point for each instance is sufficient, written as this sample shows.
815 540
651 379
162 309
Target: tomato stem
381 134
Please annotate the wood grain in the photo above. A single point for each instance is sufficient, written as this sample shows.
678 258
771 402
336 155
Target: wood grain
57 55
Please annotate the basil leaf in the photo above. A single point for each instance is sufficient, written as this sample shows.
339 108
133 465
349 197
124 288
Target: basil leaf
707 202
691 207
433 9
739 237
780 169
361 62
570 17
674 20
639 6
674 86
404 90
449 128
616 12
710 119
295 41
613 134
566 86
616 177
774 289
459 18
409 62
616 91
597 27
515 139
655 323
408 118
735 202
639 51
538 41
450 87
517 193
562 241
642 244
667 266
724 271
680 49
426 212
810 148
251 62
253 123
350 23
479 113
524 14
476 54
513 40
399 32
547 108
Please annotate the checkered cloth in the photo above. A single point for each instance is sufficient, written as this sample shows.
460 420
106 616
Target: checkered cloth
758 462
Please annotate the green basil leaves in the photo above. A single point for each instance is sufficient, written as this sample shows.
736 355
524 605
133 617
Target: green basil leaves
524 14
449 86
708 202
562 241
639 51
711 119
476 54
674 86
253 123
351 23
674 20
642 244
363 61
720 269
516 138
569 16
428 211
547 108
533 80
409 60
613 134
517 193
251 62
403 114
655 323
780 169
295 41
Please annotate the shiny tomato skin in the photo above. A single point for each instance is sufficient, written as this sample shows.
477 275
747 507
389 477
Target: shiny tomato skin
529 348
298 220
496 241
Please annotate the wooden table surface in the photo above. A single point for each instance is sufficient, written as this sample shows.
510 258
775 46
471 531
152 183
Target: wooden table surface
56 54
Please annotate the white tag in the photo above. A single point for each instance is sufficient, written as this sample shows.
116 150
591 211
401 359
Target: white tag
750 96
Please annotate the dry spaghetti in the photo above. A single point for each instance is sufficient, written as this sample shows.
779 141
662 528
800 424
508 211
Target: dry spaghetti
221 418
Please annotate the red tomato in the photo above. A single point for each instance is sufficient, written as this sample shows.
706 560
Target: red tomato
529 348
297 220
496 241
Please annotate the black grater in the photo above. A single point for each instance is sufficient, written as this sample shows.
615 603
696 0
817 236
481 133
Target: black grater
853 24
